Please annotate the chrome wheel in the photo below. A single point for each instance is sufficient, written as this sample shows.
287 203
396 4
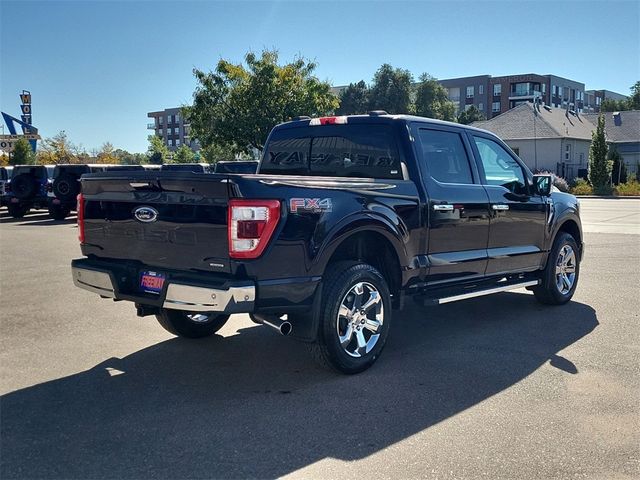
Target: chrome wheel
360 319
565 269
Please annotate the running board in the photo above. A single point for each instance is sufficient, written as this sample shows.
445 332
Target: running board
488 291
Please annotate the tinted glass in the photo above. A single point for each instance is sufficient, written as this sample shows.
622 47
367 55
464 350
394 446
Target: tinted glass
3 174
446 158
38 172
366 151
499 166
236 167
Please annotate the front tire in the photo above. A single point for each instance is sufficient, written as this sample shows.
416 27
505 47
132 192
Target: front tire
560 276
354 317
190 324
58 212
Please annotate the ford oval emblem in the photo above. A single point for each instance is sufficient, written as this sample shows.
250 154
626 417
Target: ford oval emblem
146 214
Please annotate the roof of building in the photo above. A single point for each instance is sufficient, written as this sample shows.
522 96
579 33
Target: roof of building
621 127
524 122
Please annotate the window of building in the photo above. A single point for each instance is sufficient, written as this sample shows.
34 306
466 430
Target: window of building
560 91
544 88
497 89
499 166
470 92
445 156
160 120
581 158
495 107
177 142
481 107
480 89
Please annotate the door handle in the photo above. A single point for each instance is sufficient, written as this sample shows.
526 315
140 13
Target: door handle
443 208
500 207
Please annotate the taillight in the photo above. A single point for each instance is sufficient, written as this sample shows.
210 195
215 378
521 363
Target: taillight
80 210
328 121
251 224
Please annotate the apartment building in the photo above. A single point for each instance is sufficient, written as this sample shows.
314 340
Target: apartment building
171 126
594 98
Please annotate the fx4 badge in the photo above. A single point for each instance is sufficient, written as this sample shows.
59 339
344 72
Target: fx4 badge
314 205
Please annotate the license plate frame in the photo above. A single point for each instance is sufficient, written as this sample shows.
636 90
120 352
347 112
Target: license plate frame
152 282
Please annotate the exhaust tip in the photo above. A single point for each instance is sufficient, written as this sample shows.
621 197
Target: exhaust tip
285 328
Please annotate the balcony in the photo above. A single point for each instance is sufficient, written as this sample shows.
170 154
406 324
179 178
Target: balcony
524 93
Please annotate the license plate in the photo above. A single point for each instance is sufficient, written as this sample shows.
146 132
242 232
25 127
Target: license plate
152 282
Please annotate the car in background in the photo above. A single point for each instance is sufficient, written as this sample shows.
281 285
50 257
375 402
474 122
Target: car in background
4 179
64 185
27 189
240 166
186 167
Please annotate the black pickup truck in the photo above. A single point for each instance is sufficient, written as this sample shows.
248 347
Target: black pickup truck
346 217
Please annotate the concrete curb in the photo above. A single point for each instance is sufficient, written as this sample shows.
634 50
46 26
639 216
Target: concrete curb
616 197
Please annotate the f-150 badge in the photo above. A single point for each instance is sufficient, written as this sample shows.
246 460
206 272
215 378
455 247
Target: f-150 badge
314 205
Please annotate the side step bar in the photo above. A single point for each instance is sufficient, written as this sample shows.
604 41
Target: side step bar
488 291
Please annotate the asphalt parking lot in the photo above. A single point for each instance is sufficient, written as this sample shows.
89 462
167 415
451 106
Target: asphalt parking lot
494 387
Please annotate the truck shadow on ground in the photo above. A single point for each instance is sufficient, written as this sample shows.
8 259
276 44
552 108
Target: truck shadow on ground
254 405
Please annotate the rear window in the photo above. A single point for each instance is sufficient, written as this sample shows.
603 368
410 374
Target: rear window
366 151
38 172
70 170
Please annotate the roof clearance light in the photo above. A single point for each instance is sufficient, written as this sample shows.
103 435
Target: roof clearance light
328 121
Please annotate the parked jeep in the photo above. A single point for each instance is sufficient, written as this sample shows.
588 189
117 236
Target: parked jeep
27 190
4 179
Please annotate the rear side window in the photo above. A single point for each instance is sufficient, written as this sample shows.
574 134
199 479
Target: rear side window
446 157
365 151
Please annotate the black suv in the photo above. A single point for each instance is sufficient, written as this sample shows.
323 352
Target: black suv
27 189
65 187
345 218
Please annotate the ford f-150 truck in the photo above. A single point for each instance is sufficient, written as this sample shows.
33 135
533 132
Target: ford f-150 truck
346 217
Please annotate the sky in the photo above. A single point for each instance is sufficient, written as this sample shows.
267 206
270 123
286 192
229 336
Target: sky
96 68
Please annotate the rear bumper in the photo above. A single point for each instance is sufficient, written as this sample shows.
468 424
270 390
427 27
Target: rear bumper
195 291
178 294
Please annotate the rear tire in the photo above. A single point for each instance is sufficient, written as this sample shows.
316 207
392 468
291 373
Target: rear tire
190 324
17 211
560 276
354 317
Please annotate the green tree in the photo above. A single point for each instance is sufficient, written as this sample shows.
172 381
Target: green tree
239 104
610 105
183 155
471 115
22 153
391 90
618 168
354 99
599 166
216 153
634 99
157 151
432 99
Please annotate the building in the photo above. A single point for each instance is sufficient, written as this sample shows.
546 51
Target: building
623 132
545 138
495 95
594 98
170 125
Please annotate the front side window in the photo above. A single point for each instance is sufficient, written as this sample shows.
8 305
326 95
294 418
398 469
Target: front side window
500 168
445 156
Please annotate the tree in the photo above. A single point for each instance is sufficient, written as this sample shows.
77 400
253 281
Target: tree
432 99
599 166
634 99
471 115
619 169
107 155
354 99
215 153
239 104
157 151
57 149
183 155
22 153
391 90
610 105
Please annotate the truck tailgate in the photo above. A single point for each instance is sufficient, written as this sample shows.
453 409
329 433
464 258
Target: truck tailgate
171 220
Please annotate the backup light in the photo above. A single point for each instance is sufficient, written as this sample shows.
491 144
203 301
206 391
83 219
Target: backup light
251 224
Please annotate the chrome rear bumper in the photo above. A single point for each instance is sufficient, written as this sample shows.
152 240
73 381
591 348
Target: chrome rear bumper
176 296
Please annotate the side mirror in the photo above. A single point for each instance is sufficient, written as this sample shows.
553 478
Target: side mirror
542 185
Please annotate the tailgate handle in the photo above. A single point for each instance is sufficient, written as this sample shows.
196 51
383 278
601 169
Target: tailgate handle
148 184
